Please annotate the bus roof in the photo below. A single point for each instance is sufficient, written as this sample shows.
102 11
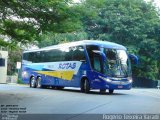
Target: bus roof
100 43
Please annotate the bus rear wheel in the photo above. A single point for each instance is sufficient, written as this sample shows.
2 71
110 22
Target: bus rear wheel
85 87
38 82
33 82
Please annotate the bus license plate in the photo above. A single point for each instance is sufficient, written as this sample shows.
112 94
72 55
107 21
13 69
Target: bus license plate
120 86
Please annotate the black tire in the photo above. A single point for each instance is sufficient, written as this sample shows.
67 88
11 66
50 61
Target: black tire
44 86
82 86
102 91
111 91
38 82
53 87
33 82
59 87
86 86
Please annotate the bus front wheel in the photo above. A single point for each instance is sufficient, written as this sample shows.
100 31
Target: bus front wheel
85 87
59 87
33 82
111 91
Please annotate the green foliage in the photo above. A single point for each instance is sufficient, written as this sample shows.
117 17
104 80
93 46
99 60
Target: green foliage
53 39
133 23
3 43
14 56
25 21
19 81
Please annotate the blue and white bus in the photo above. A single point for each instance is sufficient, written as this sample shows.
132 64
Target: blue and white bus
87 64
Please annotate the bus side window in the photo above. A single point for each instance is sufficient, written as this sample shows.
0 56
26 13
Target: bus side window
27 58
68 54
30 57
78 53
53 55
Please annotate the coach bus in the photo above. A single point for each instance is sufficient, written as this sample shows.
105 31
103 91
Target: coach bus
87 64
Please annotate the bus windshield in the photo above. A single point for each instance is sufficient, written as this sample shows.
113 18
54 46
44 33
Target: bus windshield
117 63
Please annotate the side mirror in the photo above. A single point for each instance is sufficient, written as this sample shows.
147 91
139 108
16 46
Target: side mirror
133 58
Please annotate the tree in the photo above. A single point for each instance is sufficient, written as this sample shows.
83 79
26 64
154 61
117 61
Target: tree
133 23
24 21
14 56
53 39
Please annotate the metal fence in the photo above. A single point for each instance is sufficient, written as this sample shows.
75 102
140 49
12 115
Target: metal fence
144 82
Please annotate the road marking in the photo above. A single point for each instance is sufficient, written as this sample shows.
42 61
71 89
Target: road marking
93 108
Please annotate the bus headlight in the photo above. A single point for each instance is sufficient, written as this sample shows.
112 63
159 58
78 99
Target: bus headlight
106 79
130 79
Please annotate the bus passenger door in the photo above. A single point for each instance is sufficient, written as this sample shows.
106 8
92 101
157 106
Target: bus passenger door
97 70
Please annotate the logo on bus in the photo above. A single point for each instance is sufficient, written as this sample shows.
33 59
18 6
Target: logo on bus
67 66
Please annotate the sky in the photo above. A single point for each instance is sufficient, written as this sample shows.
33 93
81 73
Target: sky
157 2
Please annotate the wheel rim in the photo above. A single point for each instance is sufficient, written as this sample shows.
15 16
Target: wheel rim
32 82
39 82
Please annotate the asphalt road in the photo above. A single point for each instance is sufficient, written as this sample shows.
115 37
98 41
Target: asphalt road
72 101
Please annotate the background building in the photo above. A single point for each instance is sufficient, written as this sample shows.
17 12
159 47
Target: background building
3 66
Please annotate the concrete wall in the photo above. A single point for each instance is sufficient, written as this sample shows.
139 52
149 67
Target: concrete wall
3 69
12 79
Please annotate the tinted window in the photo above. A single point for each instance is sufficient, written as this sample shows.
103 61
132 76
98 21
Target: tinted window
90 49
33 57
68 54
52 55
25 56
64 54
78 53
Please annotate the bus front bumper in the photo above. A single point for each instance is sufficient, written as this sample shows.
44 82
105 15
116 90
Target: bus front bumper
126 85
113 83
